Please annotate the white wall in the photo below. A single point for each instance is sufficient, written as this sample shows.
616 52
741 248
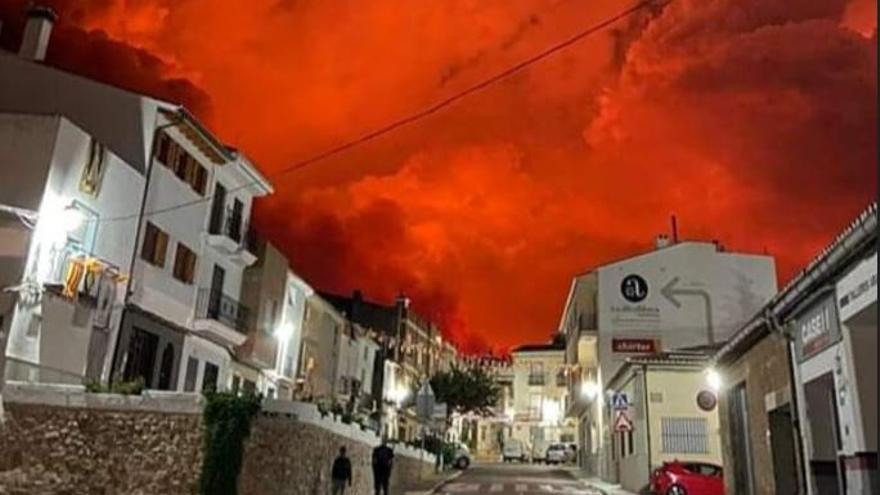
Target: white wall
37 138
738 285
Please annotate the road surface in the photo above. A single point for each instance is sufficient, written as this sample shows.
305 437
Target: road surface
515 479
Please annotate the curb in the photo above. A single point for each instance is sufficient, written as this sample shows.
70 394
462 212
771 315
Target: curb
437 485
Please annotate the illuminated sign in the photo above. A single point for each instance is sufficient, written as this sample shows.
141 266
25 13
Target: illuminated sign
634 346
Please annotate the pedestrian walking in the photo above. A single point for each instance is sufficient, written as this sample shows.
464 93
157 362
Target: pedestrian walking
383 461
340 474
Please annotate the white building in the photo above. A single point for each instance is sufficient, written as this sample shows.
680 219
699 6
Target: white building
354 372
678 296
61 270
180 311
540 393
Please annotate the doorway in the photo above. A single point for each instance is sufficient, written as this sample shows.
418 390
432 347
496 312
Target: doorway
782 448
216 294
141 361
215 225
824 466
743 469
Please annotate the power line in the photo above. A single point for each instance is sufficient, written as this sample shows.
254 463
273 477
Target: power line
436 107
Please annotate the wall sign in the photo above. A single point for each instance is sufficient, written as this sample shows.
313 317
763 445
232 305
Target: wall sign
634 288
817 328
634 346
706 400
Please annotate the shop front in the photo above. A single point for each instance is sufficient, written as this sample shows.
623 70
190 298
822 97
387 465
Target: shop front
835 353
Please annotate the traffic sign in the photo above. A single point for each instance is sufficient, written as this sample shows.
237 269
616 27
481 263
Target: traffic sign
622 422
620 402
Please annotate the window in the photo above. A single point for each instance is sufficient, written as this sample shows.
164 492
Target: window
181 163
236 384
561 379
83 237
684 435
192 369
184 264
209 377
155 245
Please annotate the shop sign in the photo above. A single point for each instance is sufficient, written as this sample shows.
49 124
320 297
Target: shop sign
634 346
706 400
857 289
634 288
817 328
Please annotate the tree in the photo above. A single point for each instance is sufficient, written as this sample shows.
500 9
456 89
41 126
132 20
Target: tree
466 390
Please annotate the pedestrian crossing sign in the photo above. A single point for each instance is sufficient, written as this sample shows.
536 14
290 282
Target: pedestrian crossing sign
620 402
622 422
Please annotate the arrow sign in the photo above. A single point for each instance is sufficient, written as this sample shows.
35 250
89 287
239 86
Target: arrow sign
622 422
670 291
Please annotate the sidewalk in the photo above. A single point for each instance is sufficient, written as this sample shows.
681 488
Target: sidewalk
429 484
597 484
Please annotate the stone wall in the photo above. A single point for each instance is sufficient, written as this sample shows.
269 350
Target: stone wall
292 457
61 440
50 449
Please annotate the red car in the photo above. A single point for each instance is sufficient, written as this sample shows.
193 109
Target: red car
687 478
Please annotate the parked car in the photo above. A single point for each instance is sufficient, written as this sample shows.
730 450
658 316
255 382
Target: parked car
513 450
557 453
687 478
461 459
539 450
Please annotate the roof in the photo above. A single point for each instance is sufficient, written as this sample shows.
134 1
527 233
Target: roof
552 346
860 236
695 359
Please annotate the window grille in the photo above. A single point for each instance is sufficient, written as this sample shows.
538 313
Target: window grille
685 435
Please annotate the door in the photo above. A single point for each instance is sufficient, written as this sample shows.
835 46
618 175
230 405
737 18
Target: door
235 220
821 409
216 294
166 368
743 473
782 448
215 226
141 359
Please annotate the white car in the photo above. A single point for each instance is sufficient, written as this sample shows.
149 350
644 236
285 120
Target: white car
513 451
557 453
462 457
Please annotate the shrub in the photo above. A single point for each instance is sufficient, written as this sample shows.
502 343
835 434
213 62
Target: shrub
227 423
133 387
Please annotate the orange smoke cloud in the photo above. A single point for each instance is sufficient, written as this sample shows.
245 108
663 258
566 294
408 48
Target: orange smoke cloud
753 121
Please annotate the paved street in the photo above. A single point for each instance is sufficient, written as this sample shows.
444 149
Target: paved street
519 479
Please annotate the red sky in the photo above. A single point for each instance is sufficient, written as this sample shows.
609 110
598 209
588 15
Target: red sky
754 121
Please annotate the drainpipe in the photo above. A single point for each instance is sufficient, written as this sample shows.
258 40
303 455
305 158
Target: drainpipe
137 239
647 417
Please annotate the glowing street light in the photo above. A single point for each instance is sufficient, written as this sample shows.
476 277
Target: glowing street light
713 379
590 389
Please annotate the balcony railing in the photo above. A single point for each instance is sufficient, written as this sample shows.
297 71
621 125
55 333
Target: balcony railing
536 379
215 305
232 225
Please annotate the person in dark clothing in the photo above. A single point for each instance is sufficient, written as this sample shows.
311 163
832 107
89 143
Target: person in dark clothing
383 459
341 473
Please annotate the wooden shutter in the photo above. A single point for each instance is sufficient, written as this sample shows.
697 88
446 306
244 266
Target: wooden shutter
149 248
161 248
190 266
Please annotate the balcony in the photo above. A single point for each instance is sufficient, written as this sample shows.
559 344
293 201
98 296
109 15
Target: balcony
230 235
582 391
221 316
536 379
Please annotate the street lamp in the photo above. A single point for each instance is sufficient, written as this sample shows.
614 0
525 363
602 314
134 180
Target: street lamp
713 379
590 389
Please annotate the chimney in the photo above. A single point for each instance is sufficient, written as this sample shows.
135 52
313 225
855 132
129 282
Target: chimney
36 33
357 295
661 241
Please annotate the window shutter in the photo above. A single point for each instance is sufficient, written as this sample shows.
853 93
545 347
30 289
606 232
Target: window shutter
161 248
190 266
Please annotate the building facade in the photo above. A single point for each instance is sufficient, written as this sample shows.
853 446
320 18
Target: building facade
680 295
540 394
814 432
669 414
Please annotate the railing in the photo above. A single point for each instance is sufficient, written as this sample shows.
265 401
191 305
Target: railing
536 379
233 226
215 305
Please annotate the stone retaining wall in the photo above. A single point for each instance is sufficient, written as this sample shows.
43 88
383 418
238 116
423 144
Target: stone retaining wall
60 440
